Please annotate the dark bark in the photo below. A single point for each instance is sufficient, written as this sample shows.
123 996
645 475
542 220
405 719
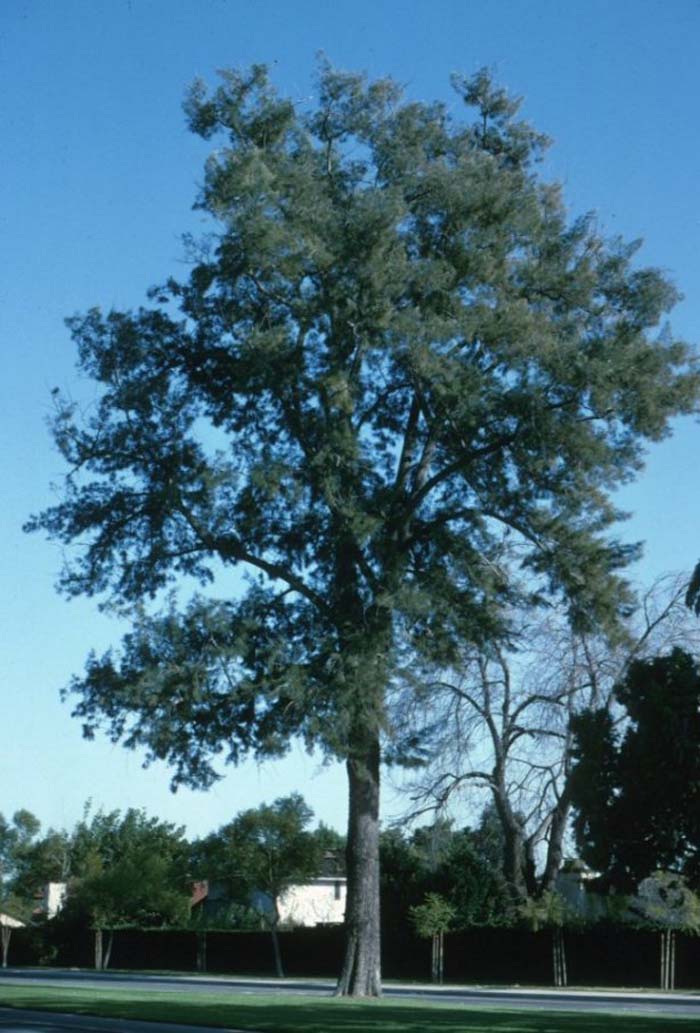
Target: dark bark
98 949
202 952
438 958
6 932
361 972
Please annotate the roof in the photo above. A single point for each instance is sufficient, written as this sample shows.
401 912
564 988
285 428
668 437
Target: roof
11 923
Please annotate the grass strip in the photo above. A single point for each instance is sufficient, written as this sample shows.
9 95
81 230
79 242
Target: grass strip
268 1013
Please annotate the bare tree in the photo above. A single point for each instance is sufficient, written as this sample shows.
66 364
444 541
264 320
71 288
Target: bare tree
498 721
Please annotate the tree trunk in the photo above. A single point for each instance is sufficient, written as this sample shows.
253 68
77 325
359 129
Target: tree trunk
6 934
276 949
438 957
515 862
555 846
202 952
361 972
559 957
98 949
108 952
668 959
442 956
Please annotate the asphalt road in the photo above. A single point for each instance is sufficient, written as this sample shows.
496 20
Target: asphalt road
685 1005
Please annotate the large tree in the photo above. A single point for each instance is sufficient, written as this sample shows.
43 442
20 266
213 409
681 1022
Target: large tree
392 349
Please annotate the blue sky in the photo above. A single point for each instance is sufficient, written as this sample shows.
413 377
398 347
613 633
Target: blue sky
97 180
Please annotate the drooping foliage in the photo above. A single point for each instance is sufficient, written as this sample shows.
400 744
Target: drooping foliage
392 350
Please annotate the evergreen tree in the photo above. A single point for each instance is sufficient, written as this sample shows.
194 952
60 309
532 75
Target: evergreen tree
391 351
636 793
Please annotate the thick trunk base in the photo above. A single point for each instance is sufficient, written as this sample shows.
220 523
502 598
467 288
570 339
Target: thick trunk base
361 972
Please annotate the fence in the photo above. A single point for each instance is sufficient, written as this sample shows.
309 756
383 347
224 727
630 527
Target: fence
598 957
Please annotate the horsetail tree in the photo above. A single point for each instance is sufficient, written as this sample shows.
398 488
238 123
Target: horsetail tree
391 354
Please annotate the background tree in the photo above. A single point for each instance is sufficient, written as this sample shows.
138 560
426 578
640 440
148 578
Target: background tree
461 866
501 722
16 836
127 869
636 785
262 852
470 878
15 909
391 350
432 919
28 861
550 911
664 902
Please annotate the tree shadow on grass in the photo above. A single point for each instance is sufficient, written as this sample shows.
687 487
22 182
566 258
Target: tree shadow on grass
328 1017
299 1015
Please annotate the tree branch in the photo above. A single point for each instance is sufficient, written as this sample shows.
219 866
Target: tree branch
230 547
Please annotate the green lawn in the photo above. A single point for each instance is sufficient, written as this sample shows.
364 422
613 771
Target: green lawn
295 1014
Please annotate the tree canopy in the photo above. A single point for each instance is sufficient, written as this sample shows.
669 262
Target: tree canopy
15 837
392 353
460 866
126 869
262 852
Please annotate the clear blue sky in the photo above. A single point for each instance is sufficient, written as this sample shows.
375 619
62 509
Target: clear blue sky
97 178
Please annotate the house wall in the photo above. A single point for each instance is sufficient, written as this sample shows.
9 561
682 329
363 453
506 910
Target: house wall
574 888
320 902
54 898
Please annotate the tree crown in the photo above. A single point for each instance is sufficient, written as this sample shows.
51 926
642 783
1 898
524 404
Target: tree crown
393 362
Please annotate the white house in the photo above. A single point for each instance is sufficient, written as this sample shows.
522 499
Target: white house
573 883
318 902
53 898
